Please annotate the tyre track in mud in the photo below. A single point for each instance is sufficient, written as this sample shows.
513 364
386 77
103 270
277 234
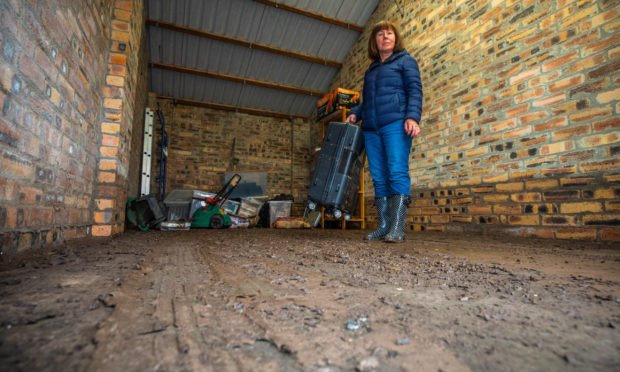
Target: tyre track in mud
297 303
282 300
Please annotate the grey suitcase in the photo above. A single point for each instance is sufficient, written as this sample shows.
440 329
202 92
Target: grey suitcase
336 180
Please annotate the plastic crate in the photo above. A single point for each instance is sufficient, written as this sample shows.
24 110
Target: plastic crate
279 208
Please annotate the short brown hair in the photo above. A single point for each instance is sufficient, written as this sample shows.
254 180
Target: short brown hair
373 51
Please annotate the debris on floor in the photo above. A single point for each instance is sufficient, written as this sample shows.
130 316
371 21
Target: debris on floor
299 300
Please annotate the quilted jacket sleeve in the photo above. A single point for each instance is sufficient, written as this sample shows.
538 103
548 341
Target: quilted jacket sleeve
413 88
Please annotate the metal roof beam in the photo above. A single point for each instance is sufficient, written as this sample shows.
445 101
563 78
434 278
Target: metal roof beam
237 79
241 42
245 110
314 15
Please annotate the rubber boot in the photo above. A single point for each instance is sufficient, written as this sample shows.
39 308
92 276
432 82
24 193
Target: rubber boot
398 219
383 210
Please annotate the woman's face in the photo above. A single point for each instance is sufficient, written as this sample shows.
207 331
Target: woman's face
385 41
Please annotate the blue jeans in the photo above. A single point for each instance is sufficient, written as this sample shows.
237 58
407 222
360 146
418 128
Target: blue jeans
388 149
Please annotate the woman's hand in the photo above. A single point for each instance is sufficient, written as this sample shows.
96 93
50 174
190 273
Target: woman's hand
411 127
352 119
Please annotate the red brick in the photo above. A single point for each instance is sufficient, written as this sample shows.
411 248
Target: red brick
576 233
102 230
526 197
541 184
560 220
571 132
550 100
556 147
8 189
507 209
107 151
607 97
507 124
610 235
611 41
590 114
118 59
524 220
520 132
106 177
122 15
524 119
108 140
537 233
564 84
120 25
117 70
40 217
606 124
558 122
523 176
525 75
124 5
558 62
113 92
480 210
586 63
30 195
33 72
518 110
581 207
113 103
120 36
534 93
509 187
602 139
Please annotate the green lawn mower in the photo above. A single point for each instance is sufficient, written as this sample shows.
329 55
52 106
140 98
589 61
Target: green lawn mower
211 214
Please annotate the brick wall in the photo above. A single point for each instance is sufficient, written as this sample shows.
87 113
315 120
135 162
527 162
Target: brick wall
53 64
200 149
122 118
520 127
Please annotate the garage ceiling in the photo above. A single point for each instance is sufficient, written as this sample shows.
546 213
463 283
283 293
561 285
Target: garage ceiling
274 58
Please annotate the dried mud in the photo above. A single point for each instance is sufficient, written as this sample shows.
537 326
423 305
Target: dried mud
311 300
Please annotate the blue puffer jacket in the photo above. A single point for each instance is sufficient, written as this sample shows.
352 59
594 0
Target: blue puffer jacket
392 91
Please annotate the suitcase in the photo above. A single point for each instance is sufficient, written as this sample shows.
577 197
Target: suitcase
336 180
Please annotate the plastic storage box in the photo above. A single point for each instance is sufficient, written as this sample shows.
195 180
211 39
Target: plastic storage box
231 207
249 207
178 203
279 208
251 184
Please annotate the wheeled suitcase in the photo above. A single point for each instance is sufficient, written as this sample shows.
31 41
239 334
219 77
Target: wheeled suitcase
336 180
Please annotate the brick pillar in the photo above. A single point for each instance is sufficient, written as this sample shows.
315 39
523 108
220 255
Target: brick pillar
117 118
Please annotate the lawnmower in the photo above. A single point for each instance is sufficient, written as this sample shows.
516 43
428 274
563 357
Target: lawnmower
211 214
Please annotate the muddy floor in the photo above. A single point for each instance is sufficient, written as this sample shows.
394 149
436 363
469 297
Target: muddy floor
311 300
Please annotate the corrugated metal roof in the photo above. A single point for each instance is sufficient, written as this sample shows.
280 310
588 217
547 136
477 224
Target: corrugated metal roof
254 22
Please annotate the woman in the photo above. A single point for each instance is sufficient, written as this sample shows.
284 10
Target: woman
390 114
